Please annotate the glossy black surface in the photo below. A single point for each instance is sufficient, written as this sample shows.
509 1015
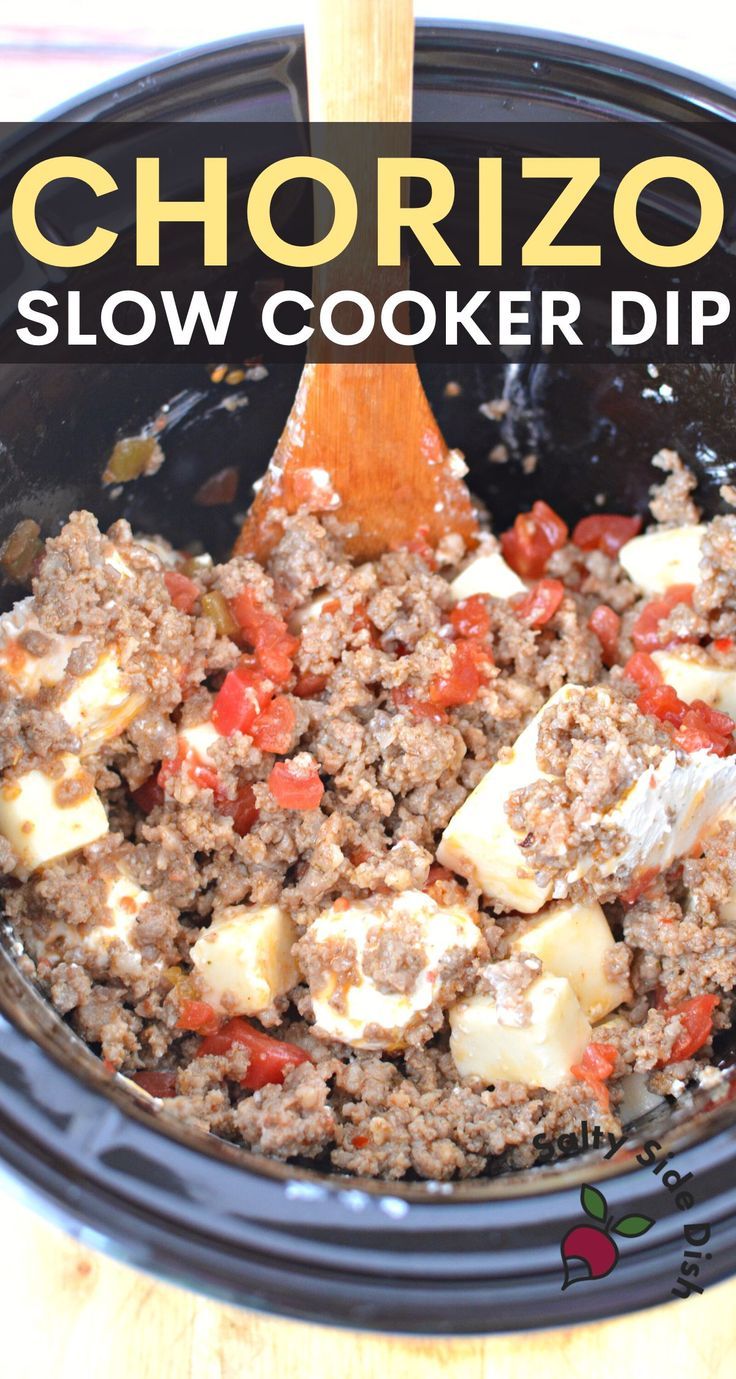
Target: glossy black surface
485 1256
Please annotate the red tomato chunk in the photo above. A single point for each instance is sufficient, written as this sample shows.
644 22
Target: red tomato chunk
293 789
157 1083
528 545
270 1059
242 697
541 603
645 632
470 617
197 1015
149 795
183 592
696 1017
273 730
607 627
268 635
605 531
471 664
643 670
242 810
595 1067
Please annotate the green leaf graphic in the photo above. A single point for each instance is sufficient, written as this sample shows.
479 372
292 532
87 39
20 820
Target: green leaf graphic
633 1225
594 1203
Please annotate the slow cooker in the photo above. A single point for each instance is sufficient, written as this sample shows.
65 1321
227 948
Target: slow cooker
472 1257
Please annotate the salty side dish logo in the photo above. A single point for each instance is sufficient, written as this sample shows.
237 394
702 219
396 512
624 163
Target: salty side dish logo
590 1252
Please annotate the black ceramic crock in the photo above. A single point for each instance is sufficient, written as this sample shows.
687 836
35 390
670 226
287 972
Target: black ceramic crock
477 1257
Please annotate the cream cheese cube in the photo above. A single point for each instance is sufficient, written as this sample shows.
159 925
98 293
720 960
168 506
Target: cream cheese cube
538 1054
693 675
124 900
573 941
487 574
99 705
26 674
361 1003
663 816
244 960
663 556
40 829
479 841
309 612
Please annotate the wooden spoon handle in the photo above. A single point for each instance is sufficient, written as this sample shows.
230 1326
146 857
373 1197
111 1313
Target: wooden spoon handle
360 59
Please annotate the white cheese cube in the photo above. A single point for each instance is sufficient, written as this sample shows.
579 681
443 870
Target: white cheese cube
693 675
101 704
24 673
487 574
663 816
538 1054
38 827
351 1006
124 900
663 556
244 960
301 616
573 941
196 741
479 841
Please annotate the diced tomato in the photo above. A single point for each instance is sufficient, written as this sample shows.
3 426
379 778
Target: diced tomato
242 810
157 1083
661 701
645 632
696 1017
270 1059
541 603
360 1141
149 795
268 635
294 789
362 623
275 649
242 697
183 592
643 670
197 1015
308 686
723 644
595 1068
470 617
528 545
404 697
703 726
419 545
606 624
471 664
313 490
605 531
274 728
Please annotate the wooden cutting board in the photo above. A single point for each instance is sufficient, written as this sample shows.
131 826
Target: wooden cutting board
70 1313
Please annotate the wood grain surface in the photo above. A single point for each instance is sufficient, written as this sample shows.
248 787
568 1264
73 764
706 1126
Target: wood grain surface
69 1313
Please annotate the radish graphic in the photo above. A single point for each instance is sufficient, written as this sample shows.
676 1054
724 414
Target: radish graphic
589 1251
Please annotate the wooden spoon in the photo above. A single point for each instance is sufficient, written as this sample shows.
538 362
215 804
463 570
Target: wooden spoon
369 426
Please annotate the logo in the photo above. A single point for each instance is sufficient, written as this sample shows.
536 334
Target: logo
590 1252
